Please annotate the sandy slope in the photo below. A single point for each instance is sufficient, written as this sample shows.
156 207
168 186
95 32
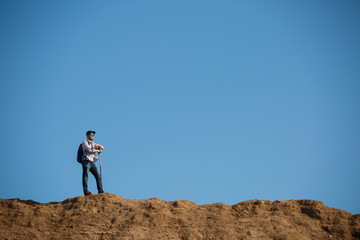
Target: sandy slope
108 216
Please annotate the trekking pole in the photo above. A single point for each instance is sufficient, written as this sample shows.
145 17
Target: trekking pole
100 167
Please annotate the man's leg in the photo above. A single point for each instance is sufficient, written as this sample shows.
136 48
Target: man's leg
96 174
86 166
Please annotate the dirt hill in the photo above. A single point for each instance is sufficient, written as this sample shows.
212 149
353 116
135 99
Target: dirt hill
108 216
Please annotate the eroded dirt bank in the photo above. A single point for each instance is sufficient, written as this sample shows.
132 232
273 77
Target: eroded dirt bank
108 216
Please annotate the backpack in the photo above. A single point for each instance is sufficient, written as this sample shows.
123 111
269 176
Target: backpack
79 153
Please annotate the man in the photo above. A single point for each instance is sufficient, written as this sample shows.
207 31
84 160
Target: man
88 162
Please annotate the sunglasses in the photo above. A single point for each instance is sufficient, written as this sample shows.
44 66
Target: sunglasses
91 134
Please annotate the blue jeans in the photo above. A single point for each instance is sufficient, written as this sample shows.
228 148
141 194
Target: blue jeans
90 166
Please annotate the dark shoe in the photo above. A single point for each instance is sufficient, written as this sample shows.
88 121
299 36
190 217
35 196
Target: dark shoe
101 192
86 193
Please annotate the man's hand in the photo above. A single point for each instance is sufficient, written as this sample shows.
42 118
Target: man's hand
98 146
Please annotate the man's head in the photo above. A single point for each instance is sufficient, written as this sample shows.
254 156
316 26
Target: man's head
90 135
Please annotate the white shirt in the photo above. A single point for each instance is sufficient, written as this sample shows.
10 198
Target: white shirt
88 150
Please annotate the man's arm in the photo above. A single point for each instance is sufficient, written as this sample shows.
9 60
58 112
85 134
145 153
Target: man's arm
87 148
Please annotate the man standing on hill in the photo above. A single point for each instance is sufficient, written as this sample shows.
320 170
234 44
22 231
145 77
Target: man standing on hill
88 162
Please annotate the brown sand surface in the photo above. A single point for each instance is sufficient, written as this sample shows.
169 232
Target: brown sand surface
108 216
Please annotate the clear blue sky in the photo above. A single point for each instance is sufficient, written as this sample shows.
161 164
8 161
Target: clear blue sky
210 101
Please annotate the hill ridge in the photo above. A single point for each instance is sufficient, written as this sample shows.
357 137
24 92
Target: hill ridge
109 216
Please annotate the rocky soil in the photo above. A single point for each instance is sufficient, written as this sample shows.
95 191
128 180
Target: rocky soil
108 216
